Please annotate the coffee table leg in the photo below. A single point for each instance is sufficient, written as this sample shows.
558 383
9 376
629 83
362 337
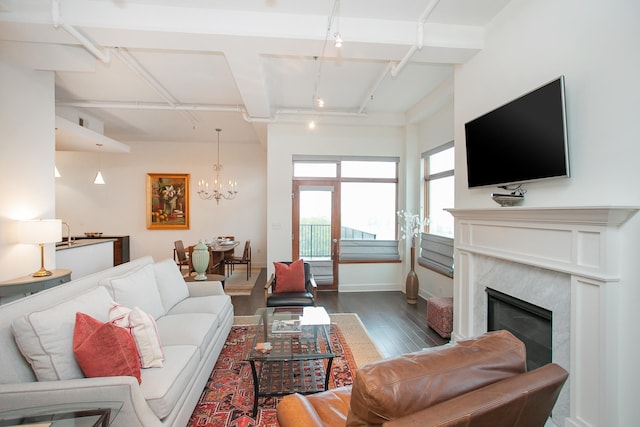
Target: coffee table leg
327 374
256 385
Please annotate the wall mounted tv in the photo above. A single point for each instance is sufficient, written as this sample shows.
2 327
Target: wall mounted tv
523 140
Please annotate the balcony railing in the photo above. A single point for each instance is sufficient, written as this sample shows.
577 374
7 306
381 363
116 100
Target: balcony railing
315 239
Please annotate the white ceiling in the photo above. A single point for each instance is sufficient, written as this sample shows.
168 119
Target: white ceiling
239 65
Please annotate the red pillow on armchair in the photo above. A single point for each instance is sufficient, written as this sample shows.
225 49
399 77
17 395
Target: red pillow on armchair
290 278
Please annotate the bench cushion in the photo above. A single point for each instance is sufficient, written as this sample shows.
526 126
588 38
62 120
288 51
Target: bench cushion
219 305
171 284
187 329
163 387
138 288
45 337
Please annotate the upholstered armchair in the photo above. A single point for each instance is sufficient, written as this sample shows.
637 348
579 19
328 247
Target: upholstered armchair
281 293
475 383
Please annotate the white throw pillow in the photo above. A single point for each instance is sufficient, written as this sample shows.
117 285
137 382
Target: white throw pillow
171 284
144 331
45 337
138 288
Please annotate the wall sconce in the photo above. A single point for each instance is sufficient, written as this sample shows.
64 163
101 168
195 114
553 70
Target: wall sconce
40 232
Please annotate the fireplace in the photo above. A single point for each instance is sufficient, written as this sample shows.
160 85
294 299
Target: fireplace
565 260
529 322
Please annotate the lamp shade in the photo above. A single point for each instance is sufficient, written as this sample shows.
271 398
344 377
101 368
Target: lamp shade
41 231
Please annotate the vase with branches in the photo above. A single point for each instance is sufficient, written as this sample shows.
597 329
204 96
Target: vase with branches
411 226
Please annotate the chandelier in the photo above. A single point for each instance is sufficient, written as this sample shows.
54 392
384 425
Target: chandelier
220 188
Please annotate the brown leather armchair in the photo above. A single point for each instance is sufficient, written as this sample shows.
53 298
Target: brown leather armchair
475 383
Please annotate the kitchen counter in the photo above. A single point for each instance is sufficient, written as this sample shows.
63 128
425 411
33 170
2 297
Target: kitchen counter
85 256
81 242
121 252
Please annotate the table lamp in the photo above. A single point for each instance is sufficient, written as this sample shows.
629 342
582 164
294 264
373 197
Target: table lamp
40 232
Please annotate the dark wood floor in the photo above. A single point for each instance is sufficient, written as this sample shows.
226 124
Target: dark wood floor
395 326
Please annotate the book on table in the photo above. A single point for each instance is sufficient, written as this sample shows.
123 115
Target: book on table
282 326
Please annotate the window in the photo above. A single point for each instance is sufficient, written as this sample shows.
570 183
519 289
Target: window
436 245
315 169
439 189
367 204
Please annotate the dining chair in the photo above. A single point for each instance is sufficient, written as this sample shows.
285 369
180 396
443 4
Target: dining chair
244 259
228 254
180 256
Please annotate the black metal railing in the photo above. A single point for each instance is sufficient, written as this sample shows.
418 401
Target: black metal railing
353 234
315 239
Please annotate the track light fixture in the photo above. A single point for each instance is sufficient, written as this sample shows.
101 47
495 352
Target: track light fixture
339 40
99 180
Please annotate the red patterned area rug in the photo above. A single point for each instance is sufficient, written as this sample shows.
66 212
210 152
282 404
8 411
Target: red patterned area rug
227 400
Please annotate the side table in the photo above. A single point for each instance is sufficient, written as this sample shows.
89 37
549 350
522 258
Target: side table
30 284
210 277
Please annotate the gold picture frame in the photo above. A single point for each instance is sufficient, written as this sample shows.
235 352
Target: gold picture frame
167 201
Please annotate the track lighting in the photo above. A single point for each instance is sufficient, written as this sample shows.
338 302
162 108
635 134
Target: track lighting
339 40
99 180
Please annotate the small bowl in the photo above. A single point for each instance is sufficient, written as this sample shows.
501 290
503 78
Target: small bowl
93 234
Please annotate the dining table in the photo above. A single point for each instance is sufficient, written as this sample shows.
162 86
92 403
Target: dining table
219 252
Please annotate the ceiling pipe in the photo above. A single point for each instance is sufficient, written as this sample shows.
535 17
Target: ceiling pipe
373 89
249 119
205 107
394 69
86 43
149 106
314 112
419 36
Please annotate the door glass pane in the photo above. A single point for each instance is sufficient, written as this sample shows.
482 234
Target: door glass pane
368 210
315 170
315 224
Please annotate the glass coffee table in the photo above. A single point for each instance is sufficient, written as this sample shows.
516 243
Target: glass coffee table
90 414
291 352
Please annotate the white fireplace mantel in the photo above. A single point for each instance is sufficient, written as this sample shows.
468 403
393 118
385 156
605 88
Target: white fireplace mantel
582 243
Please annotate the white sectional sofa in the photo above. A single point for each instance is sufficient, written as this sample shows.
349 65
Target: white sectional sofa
36 333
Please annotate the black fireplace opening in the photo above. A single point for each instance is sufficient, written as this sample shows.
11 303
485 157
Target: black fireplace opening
530 323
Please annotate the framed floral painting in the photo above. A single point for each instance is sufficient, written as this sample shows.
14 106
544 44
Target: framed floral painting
167 201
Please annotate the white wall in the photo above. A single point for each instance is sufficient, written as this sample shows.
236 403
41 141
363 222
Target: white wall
119 206
595 46
433 132
285 140
26 164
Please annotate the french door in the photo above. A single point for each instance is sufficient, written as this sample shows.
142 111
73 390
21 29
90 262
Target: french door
316 228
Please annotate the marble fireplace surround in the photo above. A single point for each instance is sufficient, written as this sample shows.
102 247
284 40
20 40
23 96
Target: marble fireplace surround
562 259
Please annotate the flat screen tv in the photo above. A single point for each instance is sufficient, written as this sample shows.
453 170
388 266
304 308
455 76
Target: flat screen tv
523 140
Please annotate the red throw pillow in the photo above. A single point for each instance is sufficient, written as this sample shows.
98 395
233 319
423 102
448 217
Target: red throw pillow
290 278
104 349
